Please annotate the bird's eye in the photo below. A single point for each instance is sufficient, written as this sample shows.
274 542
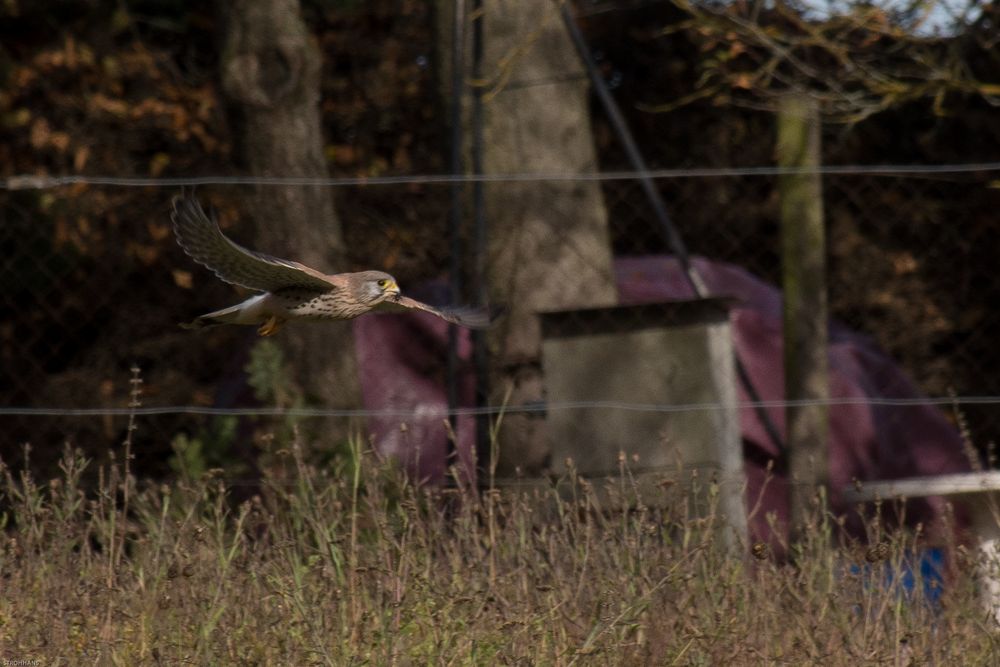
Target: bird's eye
383 282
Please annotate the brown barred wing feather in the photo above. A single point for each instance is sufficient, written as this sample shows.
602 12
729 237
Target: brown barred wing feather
202 239
473 318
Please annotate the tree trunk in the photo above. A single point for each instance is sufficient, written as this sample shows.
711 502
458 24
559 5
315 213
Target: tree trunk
271 72
549 245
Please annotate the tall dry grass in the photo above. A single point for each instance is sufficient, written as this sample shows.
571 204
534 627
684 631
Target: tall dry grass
354 564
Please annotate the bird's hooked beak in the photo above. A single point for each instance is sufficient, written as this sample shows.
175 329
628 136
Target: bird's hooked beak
392 290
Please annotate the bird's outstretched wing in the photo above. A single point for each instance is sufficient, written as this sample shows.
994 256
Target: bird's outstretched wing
473 318
202 239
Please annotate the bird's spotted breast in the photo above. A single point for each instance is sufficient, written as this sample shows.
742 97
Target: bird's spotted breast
308 304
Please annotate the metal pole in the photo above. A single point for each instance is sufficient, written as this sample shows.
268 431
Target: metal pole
673 237
480 351
455 219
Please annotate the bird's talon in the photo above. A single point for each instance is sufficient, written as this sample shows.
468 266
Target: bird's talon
270 327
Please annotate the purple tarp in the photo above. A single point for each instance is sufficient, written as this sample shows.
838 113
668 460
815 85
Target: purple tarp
402 368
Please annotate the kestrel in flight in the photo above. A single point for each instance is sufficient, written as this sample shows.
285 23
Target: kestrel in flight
291 291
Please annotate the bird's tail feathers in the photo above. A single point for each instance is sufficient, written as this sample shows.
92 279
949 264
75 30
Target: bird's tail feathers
228 315
199 323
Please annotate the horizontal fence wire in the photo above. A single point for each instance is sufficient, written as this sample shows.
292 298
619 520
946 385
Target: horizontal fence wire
34 182
456 482
728 219
425 412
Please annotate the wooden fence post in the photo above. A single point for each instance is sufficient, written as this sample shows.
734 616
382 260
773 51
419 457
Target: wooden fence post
805 305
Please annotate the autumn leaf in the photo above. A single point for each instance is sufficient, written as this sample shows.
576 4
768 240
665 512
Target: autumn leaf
39 133
158 231
183 279
80 157
108 105
159 162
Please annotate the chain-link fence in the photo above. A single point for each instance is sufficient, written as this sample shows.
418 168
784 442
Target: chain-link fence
906 257
94 282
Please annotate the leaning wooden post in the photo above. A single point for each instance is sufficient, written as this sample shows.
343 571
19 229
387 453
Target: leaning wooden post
805 313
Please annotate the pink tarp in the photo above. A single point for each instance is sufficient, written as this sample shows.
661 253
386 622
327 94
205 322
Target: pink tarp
402 367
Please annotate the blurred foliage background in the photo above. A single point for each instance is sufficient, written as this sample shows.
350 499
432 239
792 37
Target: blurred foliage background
94 283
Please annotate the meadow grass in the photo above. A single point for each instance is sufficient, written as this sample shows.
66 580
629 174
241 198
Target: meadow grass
351 563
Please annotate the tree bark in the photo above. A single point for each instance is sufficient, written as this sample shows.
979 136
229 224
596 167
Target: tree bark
271 72
548 242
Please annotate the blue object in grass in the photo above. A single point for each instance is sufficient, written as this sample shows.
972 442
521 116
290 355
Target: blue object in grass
932 563
931 574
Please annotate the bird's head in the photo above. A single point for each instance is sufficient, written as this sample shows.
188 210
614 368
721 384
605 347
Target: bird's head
374 287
